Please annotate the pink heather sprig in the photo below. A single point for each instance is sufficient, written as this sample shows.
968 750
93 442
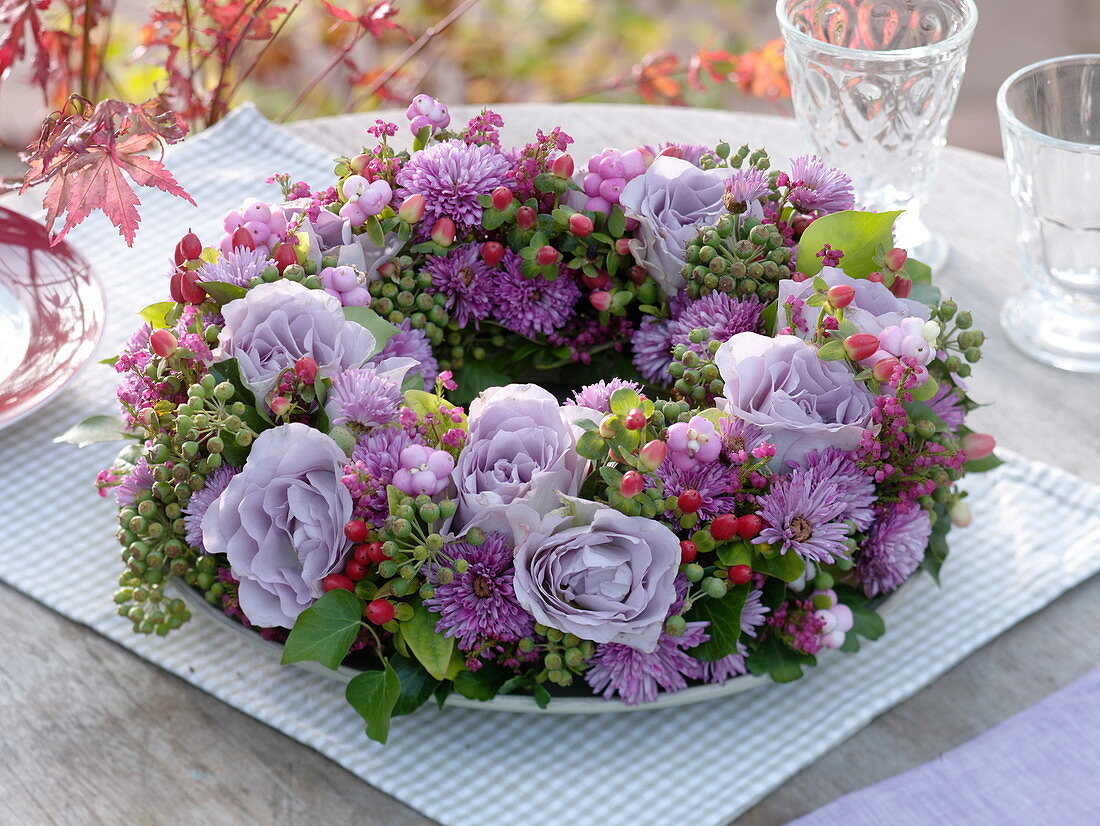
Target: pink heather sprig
382 129
484 128
535 158
796 623
830 257
796 319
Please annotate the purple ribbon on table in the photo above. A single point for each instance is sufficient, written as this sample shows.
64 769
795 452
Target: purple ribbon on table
1040 766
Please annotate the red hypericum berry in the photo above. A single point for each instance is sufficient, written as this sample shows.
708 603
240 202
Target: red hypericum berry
388 270
163 343
637 274
580 225
600 281
653 454
671 152
359 163
378 611
901 287
689 501
356 531
279 405
184 288
380 551
412 208
492 253
875 277
502 197
601 300
896 258
443 232
801 223
688 551
284 256
334 581
526 217
635 419
188 249
799 277
622 246
242 238
305 369
884 370
363 554
749 526
724 527
562 166
633 483
978 445
740 574
859 346
841 295
355 571
546 256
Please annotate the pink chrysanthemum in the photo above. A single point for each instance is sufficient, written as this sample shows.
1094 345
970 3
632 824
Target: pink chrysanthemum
801 513
857 489
652 350
598 396
894 549
816 187
451 175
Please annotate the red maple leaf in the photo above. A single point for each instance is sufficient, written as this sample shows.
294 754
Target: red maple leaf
17 18
375 20
88 153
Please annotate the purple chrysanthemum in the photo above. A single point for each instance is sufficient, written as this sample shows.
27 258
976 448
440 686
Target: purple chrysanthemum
466 280
529 306
857 488
714 481
413 344
138 479
745 186
237 267
451 175
478 605
201 500
721 315
801 514
139 339
947 404
617 669
894 549
652 350
374 460
364 398
739 437
816 187
598 396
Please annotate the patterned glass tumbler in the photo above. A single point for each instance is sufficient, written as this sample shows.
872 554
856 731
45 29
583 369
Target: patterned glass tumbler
1050 122
874 84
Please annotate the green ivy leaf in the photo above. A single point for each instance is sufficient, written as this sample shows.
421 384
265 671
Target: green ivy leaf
93 430
483 684
936 552
787 566
431 648
724 616
777 660
856 234
416 685
325 631
221 292
926 390
158 315
981 465
374 694
735 553
381 329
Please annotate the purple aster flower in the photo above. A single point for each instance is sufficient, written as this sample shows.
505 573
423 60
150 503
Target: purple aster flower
598 396
739 437
816 187
413 344
894 549
713 480
479 605
201 500
857 488
364 397
451 175
139 339
745 186
652 346
138 479
466 280
375 458
617 669
802 513
237 267
529 306
947 404
722 315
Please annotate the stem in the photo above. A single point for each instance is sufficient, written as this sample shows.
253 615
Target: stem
86 49
244 75
215 97
409 53
332 64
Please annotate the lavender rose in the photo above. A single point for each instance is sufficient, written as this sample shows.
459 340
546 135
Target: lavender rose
801 402
274 325
873 309
281 523
671 201
592 571
521 447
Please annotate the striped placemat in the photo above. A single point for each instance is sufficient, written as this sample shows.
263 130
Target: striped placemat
701 764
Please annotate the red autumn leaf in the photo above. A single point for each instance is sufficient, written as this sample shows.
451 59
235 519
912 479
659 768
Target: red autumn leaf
653 78
17 19
717 63
763 73
375 20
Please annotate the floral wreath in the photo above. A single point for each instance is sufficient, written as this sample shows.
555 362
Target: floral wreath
344 433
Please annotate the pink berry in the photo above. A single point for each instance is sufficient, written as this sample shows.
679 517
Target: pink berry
502 197
580 224
688 551
279 405
635 419
163 343
740 574
749 526
633 483
724 527
875 277
859 346
412 209
284 256
610 188
841 295
305 369
896 258
591 184
978 445
601 300
562 166
901 287
378 611
653 454
242 238
884 370
184 287
622 246
526 217
492 253
189 248
546 256
443 232
334 581
356 531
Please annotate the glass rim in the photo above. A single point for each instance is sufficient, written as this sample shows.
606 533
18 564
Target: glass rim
1009 118
953 41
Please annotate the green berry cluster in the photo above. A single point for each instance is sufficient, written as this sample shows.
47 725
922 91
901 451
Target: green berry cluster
740 257
401 293
744 158
566 655
962 343
693 368
411 536
305 274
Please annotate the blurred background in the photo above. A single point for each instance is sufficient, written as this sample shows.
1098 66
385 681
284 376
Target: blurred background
713 53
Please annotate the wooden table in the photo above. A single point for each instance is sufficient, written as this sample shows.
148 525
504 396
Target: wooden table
90 733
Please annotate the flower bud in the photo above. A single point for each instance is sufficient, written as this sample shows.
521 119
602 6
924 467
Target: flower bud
526 217
859 346
653 454
610 425
901 287
978 446
412 209
841 295
443 232
635 419
622 246
896 258
884 370
492 253
562 166
305 369
279 405
601 300
960 514
163 343
502 197
632 484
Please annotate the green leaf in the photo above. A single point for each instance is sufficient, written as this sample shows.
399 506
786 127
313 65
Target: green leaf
221 292
724 616
856 234
921 412
483 684
93 430
374 694
974 465
624 400
926 390
325 631
734 553
431 648
442 692
768 317
541 695
832 351
375 233
381 329
616 222
475 376
492 219
777 660
866 622
416 685
787 566
158 314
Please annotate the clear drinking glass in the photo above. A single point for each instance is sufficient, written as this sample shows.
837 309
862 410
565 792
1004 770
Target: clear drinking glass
1050 122
874 84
